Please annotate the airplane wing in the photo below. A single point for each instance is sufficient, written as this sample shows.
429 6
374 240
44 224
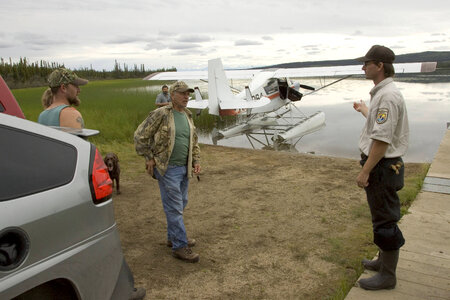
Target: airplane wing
201 75
198 104
421 67
351 70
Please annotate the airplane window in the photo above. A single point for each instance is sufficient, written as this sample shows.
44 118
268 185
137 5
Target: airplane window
271 87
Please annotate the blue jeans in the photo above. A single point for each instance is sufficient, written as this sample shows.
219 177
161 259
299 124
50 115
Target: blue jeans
173 187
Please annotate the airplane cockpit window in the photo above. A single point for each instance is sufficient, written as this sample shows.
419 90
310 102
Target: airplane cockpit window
271 86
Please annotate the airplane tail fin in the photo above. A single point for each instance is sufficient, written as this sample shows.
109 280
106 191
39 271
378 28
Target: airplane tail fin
220 95
217 85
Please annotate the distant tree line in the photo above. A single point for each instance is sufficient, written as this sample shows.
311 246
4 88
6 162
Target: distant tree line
31 74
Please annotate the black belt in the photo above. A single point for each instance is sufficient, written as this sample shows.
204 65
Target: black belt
365 157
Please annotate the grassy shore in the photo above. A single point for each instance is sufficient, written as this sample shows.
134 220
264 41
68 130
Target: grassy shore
257 202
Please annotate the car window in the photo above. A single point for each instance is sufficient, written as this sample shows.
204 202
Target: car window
31 163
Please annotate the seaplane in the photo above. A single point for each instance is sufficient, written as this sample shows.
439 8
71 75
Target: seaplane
267 107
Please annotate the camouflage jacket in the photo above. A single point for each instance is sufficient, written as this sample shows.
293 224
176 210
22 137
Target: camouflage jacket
155 138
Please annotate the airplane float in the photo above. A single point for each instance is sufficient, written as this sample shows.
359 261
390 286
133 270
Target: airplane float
267 106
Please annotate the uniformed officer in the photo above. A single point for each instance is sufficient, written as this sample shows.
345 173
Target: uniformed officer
383 141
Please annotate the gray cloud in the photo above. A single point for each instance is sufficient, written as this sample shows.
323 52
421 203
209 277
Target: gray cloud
194 39
433 41
247 43
155 45
182 46
5 45
267 38
33 39
124 40
357 33
166 33
440 48
311 47
191 52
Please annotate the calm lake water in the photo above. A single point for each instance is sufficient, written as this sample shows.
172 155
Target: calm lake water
428 106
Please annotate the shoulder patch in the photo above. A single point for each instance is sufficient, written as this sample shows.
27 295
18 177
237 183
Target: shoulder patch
382 115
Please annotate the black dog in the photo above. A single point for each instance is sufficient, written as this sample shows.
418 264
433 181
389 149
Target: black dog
112 163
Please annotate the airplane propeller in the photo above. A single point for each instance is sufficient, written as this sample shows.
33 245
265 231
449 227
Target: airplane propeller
307 87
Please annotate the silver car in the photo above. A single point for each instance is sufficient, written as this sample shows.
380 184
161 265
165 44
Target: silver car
58 236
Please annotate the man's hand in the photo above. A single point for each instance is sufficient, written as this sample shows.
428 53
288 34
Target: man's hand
149 165
197 169
363 179
361 107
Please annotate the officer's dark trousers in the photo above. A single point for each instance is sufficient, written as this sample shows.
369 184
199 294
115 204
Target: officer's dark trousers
384 202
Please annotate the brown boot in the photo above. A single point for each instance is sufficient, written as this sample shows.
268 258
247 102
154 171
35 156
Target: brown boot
186 254
191 243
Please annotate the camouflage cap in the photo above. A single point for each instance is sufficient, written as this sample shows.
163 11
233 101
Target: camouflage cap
181 87
64 76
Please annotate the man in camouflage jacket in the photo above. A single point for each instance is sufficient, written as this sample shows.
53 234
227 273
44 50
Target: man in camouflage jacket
169 144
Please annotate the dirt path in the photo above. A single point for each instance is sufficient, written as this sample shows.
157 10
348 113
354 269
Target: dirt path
268 225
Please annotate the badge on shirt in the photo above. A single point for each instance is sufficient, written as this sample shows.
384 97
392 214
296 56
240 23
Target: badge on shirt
382 115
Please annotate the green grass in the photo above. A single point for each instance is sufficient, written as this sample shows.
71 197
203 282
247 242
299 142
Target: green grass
413 184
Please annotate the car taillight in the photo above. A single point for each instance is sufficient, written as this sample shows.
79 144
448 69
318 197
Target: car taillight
99 180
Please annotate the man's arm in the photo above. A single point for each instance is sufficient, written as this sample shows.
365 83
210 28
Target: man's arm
377 152
196 154
143 139
70 117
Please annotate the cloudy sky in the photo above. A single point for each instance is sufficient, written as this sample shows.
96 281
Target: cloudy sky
244 33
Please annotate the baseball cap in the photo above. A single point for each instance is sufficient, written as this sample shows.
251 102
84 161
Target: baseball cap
181 87
64 76
378 53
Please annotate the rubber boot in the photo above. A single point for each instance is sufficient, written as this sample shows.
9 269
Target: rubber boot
373 265
385 279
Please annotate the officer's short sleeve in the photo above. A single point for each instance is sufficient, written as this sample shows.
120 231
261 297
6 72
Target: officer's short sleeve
386 120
